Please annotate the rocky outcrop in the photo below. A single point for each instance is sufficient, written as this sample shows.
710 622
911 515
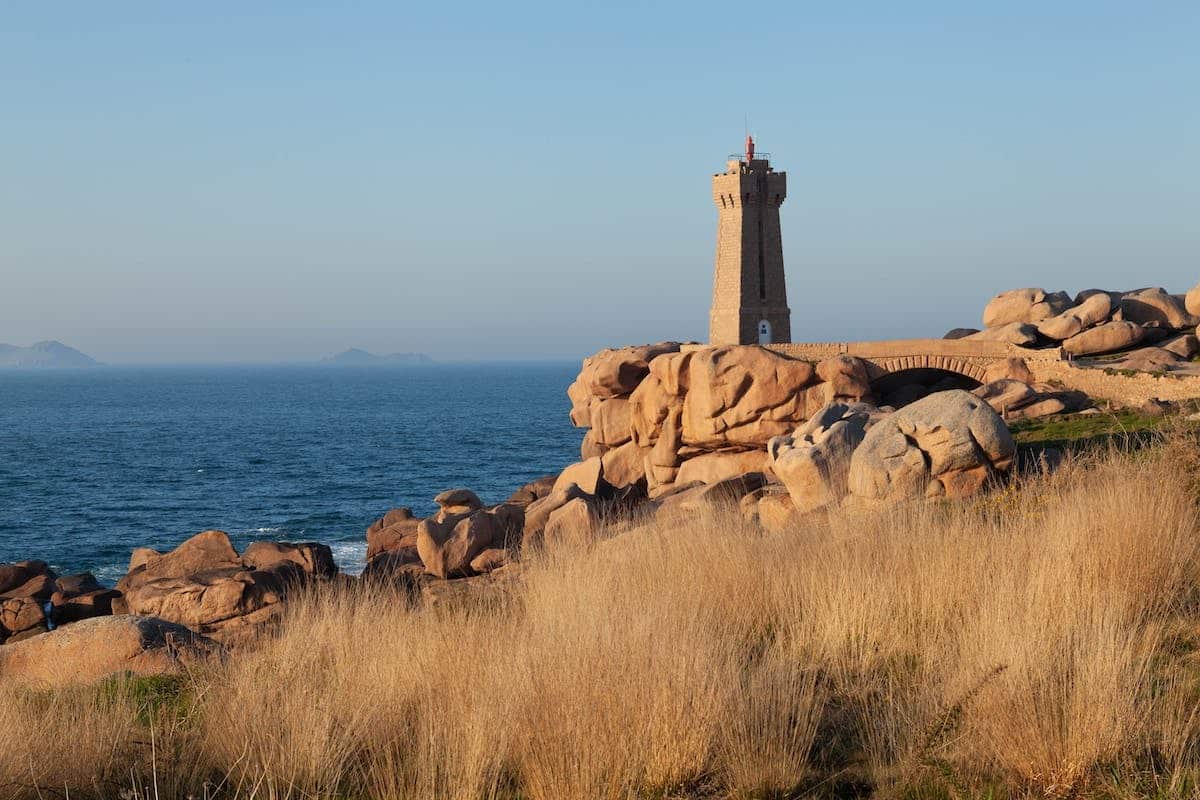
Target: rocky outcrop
1106 338
1097 322
94 649
448 545
78 597
34 600
960 333
616 373
205 585
1150 359
1005 395
534 490
1155 307
25 588
311 558
601 394
231 605
207 550
1012 368
395 531
703 415
1023 306
947 445
696 496
718 466
743 396
1022 334
814 461
1015 400
1091 311
1191 301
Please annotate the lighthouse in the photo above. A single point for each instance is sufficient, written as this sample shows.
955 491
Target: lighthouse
749 303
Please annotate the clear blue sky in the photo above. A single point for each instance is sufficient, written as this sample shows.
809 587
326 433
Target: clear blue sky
207 181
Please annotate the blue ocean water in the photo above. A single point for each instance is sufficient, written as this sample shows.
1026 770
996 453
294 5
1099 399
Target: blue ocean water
96 462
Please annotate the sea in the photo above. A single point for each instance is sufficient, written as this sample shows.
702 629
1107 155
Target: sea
96 462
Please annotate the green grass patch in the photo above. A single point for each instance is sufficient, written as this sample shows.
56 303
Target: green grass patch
152 695
1077 430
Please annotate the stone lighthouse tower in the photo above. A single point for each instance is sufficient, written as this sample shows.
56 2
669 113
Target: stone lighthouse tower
749 296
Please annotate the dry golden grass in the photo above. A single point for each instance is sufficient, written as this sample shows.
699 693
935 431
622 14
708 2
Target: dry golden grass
1035 642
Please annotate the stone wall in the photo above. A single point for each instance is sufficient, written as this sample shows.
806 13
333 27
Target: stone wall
1117 387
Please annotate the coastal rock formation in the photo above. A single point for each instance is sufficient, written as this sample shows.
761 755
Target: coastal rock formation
1023 306
1191 301
1022 334
93 649
312 558
695 496
205 585
960 333
814 461
946 445
207 550
1186 346
718 466
1006 394
1013 368
1150 359
746 395
1097 322
534 490
25 588
616 373
395 531
1091 311
1106 338
78 597
448 545
1156 307
706 414
230 605
34 600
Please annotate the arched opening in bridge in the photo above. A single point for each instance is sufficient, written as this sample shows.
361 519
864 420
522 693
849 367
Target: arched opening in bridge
898 389
764 332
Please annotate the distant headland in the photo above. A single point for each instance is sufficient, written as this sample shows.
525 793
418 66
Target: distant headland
354 357
44 355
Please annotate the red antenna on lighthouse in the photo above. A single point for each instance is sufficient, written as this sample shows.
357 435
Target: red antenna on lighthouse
749 147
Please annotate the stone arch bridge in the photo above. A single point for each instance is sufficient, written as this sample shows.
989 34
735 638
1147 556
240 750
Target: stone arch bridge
969 358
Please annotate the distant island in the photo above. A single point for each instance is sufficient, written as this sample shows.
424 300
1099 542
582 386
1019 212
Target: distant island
354 357
44 355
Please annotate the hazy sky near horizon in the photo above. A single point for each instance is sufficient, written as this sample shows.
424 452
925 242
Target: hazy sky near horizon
278 181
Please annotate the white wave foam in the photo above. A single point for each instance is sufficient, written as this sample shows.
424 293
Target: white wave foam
351 557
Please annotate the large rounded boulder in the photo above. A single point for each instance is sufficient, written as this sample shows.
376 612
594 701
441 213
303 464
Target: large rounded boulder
814 462
1155 306
742 396
948 444
1023 305
1107 338
1091 311
88 651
